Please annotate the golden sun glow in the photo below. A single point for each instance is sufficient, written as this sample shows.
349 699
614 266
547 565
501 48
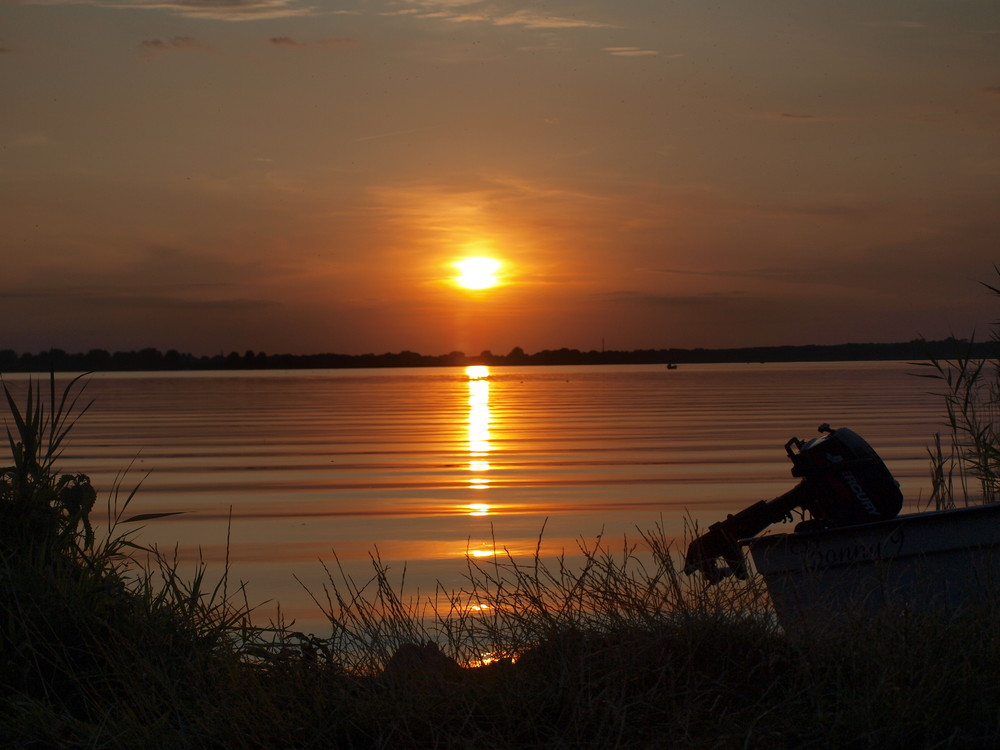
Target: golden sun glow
478 272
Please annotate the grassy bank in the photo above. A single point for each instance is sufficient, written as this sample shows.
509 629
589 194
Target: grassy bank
104 644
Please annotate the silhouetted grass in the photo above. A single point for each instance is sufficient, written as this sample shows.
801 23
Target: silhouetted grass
966 461
107 644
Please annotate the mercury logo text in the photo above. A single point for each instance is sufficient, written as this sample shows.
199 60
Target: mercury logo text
860 494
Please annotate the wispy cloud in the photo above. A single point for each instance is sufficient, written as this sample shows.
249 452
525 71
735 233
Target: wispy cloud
287 41
631 51
417 6
154 47
534 20
792 274
390 134
339 41
96 297
905 24
476 11
804 117
219 10
702 298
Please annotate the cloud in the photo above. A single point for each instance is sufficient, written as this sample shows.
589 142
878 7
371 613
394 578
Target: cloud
389 134
219 10
104 298
697 298
534 20
462 11
154 47
898 24
792 116
342 41
630 51
287 41
171 271
820 275
424 5
922 267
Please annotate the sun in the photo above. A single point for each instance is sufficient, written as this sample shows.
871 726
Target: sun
478 272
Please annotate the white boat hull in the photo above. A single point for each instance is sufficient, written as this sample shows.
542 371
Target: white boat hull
939 561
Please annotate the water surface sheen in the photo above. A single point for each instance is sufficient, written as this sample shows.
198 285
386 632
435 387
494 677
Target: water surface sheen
427 464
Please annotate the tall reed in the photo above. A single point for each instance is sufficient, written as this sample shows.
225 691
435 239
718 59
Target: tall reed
91 617
965 462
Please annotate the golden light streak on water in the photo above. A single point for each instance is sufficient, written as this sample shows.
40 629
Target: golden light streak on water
479 424
478 509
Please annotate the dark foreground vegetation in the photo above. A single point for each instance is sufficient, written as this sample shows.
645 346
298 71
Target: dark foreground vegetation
104 644
101 360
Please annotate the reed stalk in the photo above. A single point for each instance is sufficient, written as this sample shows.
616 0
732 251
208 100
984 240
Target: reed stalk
965 462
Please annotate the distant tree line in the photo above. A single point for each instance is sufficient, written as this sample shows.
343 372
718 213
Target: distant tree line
100 360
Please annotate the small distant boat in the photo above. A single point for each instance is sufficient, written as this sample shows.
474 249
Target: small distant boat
934 562
671 366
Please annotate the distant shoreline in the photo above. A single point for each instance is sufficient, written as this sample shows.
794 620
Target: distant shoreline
100 360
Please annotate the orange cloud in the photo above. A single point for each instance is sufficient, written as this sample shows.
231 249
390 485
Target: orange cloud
630 51
154 47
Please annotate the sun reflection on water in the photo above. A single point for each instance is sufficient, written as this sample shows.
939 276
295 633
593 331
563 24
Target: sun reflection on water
479 448
479 424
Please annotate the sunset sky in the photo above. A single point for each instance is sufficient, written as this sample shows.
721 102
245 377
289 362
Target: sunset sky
301 175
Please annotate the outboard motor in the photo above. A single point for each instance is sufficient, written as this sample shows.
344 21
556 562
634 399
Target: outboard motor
844 482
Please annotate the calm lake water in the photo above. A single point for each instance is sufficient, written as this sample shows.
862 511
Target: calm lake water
427 465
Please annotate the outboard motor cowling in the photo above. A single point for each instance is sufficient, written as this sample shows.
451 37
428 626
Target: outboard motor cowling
846 481
843 482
